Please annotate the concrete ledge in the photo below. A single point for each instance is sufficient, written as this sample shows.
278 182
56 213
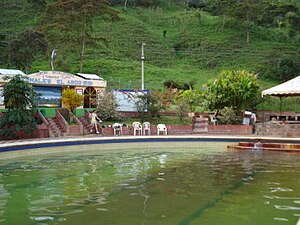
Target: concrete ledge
13 145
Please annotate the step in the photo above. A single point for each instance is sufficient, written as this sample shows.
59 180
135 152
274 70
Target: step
287 147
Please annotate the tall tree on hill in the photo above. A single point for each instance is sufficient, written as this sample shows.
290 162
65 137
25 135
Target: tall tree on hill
125 5
70 22
244 10
24 49
260 12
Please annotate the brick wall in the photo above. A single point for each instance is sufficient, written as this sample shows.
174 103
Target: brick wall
75 130
41 132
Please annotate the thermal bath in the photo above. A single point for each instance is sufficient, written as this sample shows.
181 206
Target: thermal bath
161 183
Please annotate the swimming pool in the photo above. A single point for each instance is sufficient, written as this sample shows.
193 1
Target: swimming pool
166 183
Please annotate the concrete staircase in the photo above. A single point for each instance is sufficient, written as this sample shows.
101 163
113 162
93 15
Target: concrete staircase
86 125
200 125
55 130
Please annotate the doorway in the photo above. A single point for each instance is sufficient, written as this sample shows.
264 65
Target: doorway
90 97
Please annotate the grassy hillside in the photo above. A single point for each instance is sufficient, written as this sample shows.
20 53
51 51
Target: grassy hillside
196 45
205 48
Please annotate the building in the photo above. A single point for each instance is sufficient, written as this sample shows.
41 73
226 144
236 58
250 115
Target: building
50 84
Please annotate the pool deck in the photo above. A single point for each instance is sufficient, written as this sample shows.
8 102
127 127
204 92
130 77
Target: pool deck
22 144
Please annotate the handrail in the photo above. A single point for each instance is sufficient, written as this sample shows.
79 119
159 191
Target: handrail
64 123
41 116
86 113
78 122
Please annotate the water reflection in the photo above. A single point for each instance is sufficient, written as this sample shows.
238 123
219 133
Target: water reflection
174 186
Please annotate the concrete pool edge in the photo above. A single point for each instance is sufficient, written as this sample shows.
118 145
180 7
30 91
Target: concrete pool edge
15 145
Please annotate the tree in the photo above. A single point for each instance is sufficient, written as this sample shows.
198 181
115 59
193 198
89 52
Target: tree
107 106
182 108
71 100
160 101
142 105
191 98
125 5
3 48
273 12
246 11
285 68
236 89
19 100
24 49
38 4
71 23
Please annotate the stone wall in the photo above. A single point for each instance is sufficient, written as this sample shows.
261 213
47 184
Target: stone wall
278 129
230 129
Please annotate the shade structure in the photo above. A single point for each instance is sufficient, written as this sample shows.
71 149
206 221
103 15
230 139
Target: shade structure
289 88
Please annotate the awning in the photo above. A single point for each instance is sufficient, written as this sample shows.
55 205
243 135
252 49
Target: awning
289 88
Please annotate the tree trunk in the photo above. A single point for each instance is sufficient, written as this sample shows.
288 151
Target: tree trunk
223 21
125 5
82 54
248 36
248 28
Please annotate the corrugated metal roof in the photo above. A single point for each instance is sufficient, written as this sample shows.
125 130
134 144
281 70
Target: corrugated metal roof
89 76
10 72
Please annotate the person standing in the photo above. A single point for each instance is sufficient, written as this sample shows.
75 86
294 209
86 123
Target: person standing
94 119
253 121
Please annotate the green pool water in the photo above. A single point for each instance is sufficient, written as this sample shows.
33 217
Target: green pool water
187 183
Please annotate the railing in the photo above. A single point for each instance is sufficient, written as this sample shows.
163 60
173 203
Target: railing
41 116
86 114
77 121
62 121
76 129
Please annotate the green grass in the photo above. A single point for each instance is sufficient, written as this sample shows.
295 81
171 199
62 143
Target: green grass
207 46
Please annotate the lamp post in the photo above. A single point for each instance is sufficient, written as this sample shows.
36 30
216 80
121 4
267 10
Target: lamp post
53 56
143 59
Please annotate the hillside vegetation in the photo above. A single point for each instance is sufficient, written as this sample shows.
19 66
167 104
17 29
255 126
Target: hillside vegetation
181 43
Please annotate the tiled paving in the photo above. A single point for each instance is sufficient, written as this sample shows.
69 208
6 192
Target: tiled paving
93 138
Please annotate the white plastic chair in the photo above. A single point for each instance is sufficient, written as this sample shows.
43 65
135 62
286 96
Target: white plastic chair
137 128
213 120
146 127
117 129
161 128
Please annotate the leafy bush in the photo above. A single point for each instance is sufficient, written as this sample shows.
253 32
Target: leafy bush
197 4
236 89
18 99
228 116
181 108
284 68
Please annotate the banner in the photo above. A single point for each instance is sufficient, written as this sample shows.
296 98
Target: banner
49 97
